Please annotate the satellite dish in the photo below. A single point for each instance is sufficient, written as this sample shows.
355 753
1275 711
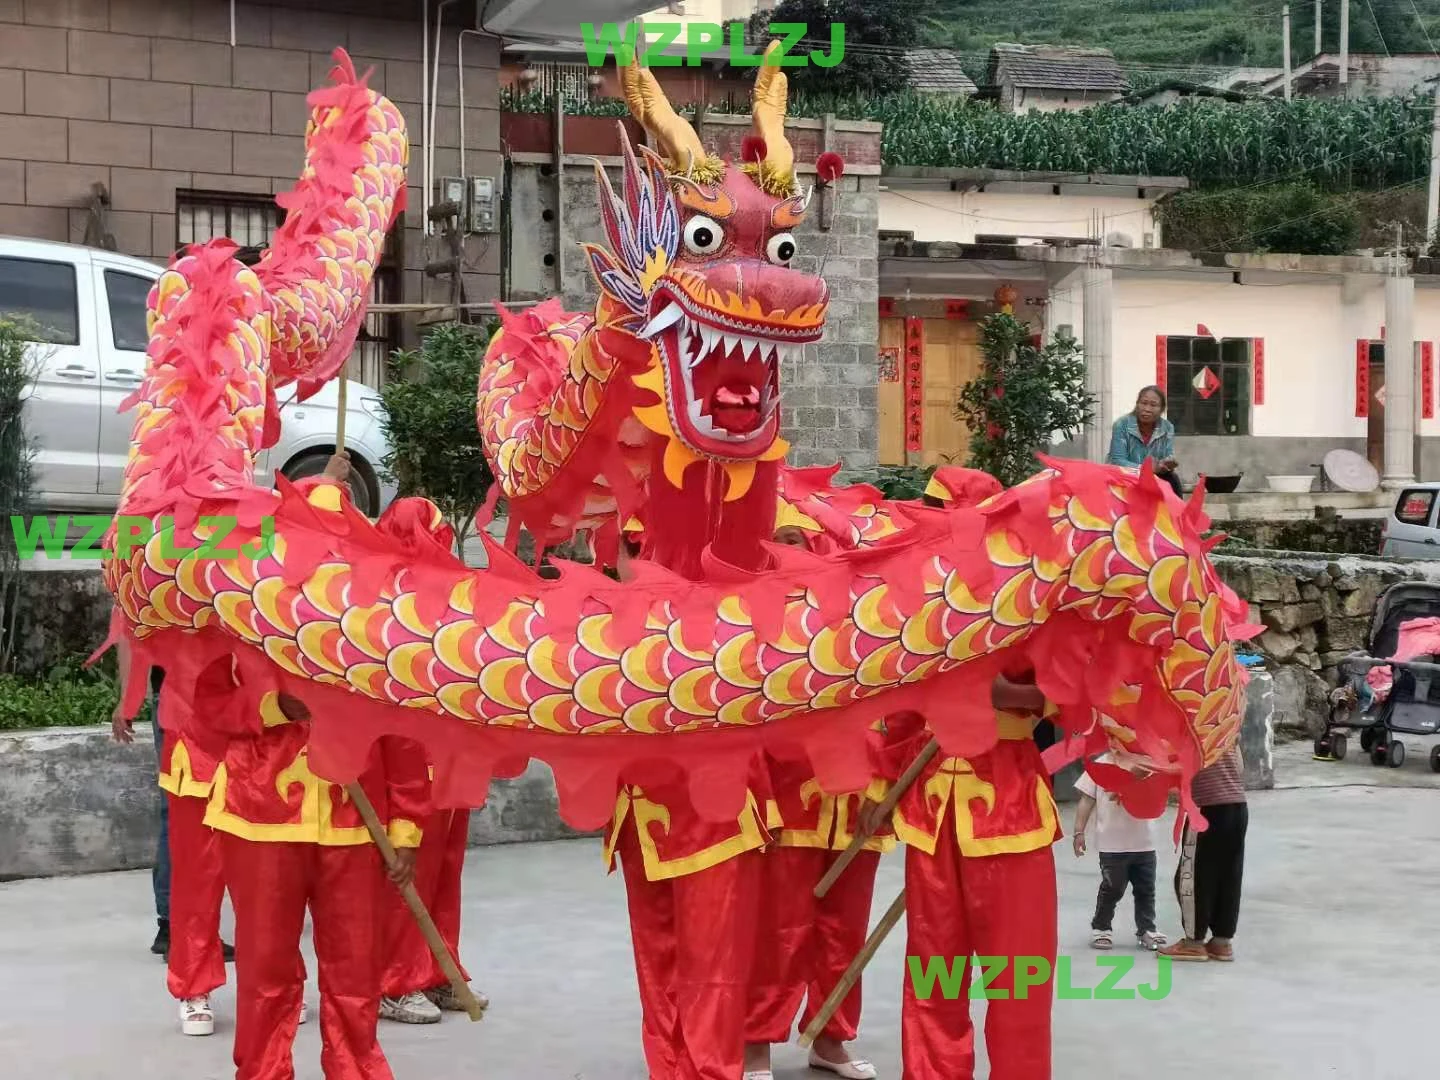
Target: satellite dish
1348 471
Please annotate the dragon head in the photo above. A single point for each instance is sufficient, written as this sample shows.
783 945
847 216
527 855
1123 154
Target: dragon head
698 268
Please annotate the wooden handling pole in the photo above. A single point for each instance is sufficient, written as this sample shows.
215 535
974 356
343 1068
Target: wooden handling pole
438 948
363 806
877 816
852 973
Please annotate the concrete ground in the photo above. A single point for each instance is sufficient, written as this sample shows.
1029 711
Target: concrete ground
1336 972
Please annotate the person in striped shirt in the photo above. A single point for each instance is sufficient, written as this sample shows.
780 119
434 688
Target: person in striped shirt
1207 880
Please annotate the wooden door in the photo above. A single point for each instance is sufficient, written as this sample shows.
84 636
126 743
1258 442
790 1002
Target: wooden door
1375 429
952 358
890 392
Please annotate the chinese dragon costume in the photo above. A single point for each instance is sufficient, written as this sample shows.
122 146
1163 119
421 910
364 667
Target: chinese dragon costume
653 699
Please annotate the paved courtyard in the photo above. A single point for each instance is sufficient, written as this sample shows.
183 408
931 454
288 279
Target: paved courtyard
1336 974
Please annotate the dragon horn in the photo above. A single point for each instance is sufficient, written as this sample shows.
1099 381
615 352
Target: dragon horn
767 114
648 104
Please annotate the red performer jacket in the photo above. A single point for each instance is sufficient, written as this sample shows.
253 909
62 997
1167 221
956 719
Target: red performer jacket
185 769
1002 798
264 789
806 816
675 840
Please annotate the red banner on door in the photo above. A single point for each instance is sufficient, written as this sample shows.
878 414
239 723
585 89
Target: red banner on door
1257 365
1362 379
957 309
887 306
1161 363
1427 380
914 382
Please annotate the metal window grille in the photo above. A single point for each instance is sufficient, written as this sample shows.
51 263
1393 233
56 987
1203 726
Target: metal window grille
571 81
1209 384
251 221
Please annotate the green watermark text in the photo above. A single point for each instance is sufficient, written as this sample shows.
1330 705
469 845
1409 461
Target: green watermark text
974 977
50 534
703 39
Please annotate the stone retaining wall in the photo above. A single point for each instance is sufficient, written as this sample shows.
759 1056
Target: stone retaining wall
1316 609
73 802
1329 534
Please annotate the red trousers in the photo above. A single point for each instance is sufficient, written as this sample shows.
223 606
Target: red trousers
409 964
995 905
271 884
196 964
694 938
804 945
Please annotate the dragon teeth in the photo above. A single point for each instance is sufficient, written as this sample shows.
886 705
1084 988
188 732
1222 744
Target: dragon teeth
667 317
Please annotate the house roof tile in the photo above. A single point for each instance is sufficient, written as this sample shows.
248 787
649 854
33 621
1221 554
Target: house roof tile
938 71
1056 67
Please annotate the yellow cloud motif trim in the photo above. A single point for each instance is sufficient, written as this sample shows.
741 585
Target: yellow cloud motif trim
678 456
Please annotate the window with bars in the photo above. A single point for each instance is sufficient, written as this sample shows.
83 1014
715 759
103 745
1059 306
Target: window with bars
1208 382
251 221
570 81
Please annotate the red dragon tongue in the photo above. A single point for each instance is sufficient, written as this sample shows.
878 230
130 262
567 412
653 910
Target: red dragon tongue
735 408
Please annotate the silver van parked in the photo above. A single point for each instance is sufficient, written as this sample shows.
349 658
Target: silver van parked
91 304
1412 531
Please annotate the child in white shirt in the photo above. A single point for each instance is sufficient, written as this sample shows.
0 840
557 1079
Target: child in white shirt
1127 857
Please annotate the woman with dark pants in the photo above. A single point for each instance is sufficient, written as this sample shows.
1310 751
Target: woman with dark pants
1212 863
1145 433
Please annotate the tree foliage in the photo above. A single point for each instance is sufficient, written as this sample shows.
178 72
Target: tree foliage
429 400
871 23
1295 218
19 364
1024 395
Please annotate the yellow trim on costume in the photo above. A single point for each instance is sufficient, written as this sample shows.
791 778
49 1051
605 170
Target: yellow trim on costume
633 525
821 835
326 496
612 835
845 831
773 817
957 782
271 715
643 813
936 490
787 517
315 826
180 780
403 833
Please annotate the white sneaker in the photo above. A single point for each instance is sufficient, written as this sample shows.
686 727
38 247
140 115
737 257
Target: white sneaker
413 1008
196 1017
1151 940
1101 939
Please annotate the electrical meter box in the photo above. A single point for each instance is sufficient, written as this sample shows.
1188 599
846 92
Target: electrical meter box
482 204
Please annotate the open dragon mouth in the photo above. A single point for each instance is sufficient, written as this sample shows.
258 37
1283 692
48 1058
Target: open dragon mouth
722 368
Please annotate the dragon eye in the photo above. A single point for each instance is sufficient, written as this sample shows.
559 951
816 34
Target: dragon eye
703 236
781 248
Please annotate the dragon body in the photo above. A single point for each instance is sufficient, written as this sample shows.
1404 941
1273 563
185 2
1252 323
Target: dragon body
662 406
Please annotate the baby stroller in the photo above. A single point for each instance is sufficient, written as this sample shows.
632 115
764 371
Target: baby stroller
1394 687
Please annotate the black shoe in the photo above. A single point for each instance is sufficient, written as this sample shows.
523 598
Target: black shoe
228 951
161 945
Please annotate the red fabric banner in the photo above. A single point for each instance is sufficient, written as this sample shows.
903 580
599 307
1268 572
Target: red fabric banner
1161 364
887 306
1427 380
957 309
1362 379
1257 396
914 382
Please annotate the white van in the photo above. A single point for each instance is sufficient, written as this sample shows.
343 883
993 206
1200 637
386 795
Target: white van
92 304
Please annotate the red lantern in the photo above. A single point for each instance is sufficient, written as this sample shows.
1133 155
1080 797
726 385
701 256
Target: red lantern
829 167
752 149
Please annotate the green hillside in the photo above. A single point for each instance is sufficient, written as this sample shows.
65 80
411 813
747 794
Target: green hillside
1183 33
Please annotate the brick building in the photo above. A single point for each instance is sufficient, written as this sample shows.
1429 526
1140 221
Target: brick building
191 133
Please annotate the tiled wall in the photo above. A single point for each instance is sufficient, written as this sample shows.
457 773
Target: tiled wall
148 96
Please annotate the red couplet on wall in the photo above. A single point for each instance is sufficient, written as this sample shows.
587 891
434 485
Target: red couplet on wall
1362 378
1427 380
887 306
1162 365
914 382
957 309
1257 369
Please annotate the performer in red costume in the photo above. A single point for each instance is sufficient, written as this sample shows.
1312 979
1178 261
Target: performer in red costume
413 988
293 841
979 874
803 944
693 887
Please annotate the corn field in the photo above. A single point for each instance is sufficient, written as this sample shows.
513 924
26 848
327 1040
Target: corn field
1366 144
